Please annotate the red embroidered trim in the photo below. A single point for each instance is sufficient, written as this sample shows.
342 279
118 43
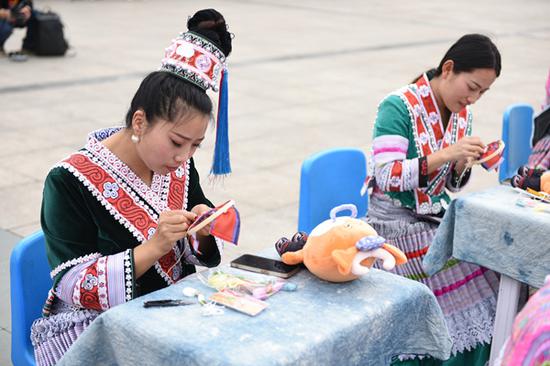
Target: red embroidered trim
430 107
424 167
417 253
199 60
395 176
124 204
176 192
89 297
429 128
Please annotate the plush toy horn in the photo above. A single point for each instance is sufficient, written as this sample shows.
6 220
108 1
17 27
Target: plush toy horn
400 257
358 269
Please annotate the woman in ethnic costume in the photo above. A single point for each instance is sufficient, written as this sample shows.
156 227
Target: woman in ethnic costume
115 213
422 143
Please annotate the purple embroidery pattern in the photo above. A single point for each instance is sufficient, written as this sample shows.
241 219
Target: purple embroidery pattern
90 281
110 190
369 243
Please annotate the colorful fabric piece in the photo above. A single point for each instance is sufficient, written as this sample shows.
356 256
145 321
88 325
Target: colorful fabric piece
492 157
540 156
227 227
408 128
95 211
529 344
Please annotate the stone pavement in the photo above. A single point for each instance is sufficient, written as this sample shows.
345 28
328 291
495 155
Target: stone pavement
305 76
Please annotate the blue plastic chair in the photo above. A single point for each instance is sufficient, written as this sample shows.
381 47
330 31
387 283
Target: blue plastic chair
29 285
517 133
331 178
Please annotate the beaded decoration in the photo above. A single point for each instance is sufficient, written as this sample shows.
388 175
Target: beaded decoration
195 59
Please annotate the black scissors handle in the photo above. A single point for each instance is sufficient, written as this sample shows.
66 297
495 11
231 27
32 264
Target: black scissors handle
162 303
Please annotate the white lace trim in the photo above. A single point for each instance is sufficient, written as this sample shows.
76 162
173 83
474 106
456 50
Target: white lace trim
73 262
187 179
473 326
220 244
102 282
128 275
156 196
480 323
122 183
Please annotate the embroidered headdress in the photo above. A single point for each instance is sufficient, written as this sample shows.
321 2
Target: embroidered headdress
196 59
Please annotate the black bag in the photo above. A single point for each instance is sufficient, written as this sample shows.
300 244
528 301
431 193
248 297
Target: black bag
45 35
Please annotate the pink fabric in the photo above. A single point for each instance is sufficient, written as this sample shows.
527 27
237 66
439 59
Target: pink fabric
462 282
529 344
389 149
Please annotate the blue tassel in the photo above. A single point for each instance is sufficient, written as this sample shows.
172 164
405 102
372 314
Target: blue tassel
221 164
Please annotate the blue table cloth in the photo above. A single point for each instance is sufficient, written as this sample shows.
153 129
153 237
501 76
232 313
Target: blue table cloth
363 322
489 229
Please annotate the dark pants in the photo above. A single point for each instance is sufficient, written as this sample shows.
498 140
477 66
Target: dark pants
5 31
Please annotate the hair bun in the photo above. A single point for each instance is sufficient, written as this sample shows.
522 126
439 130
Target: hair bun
211 24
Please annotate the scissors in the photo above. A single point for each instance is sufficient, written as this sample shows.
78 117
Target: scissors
164 303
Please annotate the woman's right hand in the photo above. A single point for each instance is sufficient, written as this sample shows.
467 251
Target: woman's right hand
171 228
466 149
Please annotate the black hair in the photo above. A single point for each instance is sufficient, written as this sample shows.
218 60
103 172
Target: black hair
165 95
211 24
470 52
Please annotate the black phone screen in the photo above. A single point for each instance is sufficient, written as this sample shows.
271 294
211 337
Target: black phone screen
266 265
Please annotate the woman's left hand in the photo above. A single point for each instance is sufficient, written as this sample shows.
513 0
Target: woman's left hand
199 210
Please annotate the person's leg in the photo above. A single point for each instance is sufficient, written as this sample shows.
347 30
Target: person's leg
29 40
5 31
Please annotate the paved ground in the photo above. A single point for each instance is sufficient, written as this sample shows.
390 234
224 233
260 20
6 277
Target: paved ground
305 76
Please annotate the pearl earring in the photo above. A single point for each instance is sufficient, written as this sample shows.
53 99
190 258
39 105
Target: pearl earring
135 139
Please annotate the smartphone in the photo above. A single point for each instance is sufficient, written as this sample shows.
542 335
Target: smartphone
263 265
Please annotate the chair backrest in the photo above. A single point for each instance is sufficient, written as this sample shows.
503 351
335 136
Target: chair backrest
330 178
517 131
29 285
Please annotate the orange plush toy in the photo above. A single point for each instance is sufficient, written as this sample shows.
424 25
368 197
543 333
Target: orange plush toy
343 248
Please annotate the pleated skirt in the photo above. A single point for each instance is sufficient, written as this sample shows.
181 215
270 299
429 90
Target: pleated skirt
52 336
465 292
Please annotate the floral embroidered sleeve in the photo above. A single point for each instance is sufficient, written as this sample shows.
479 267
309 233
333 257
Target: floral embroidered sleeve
98 284
86 272
392 170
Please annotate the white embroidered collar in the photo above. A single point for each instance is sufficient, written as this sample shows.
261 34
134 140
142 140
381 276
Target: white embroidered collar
156 195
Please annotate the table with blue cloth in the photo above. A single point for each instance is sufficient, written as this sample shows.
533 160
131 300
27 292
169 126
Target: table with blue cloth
364 322
490 229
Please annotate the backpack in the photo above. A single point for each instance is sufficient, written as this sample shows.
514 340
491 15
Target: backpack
45 35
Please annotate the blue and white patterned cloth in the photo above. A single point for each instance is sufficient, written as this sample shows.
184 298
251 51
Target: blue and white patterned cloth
488 228
364 322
